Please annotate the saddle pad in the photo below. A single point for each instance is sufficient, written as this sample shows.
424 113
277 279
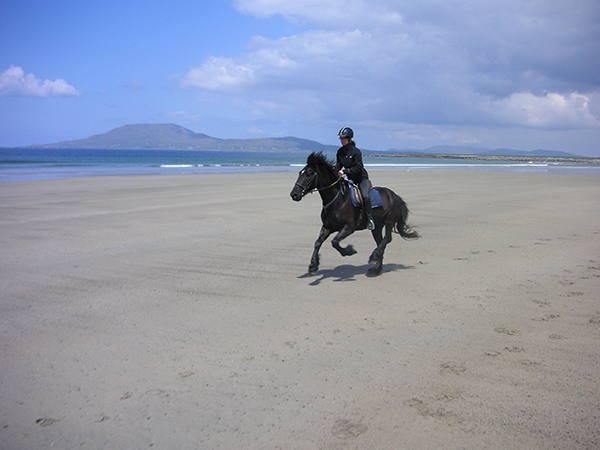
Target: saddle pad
376 201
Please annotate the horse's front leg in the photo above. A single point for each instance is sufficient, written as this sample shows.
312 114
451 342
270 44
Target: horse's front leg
376 258
343 234
314 261
378 237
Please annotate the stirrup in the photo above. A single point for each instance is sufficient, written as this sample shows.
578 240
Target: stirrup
370 223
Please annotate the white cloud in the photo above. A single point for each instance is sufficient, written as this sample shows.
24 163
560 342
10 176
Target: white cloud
553 111
429 64
338 13
218 74
311 60
13 82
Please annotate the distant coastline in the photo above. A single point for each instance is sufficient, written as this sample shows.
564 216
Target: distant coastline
537 159
37 164
177 138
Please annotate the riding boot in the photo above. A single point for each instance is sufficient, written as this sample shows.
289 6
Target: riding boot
364 189
368 212
370 222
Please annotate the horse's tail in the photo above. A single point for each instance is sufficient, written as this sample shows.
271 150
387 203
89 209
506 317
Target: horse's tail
402 227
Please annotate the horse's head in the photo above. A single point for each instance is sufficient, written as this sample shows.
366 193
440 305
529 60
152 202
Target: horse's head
306 182
317 173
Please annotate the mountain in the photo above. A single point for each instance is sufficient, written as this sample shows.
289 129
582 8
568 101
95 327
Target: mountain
175 137
468 150
159 137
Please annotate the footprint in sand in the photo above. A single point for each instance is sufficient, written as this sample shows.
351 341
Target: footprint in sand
595 268
435 407
503 330
451 368
494 353
514 349
46 421
542 303
529 363
572 294
546 318
101 418
186 374
156 392
346 429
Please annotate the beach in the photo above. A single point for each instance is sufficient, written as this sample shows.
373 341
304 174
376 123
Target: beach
176 312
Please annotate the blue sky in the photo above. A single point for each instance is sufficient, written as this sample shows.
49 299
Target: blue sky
518 74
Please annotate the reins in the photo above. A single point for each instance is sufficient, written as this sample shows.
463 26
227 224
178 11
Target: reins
334 198
305 189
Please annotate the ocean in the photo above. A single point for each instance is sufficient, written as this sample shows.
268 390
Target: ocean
37 164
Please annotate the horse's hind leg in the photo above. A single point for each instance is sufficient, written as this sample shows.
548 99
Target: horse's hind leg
344 251
314 260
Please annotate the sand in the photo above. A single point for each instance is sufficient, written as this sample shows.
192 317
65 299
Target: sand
176 313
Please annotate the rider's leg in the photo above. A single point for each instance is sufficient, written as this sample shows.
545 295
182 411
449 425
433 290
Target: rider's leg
364 190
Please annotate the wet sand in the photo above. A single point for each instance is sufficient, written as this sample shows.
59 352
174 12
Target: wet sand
176 312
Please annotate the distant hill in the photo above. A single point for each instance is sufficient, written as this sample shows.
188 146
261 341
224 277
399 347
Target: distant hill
175 137
162 136
468 150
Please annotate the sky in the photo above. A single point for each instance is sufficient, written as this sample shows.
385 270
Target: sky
520 74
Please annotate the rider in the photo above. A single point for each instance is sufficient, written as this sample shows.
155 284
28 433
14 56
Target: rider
349 162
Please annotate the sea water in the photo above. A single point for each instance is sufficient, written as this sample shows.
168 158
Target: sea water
17 164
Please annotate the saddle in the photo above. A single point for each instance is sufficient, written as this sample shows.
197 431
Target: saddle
356 196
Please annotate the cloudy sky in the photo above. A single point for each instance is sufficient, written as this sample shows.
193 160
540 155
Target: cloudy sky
521 74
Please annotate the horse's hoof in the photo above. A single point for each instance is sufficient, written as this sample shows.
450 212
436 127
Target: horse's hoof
374 271
349 251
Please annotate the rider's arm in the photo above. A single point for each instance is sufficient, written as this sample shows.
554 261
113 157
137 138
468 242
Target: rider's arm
355 171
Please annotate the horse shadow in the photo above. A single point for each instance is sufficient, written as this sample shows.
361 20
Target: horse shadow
347 272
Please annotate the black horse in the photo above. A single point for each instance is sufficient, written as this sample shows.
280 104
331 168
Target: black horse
339 214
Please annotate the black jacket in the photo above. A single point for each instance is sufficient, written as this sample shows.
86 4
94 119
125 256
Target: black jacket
350 158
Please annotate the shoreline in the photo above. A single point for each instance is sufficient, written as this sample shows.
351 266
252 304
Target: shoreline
67 164
539 159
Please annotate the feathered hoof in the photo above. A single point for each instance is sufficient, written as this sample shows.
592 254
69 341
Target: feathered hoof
349 251
374 271
374 259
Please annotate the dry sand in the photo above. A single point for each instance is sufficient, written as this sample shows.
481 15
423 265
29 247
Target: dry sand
176 313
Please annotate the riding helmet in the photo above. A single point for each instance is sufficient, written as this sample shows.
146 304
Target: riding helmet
346 132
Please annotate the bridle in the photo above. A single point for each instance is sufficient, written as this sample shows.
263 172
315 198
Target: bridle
306 190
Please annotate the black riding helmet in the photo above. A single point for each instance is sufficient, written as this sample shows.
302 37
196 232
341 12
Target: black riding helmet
346 132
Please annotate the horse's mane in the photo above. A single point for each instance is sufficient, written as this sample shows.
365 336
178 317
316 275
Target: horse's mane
319 162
